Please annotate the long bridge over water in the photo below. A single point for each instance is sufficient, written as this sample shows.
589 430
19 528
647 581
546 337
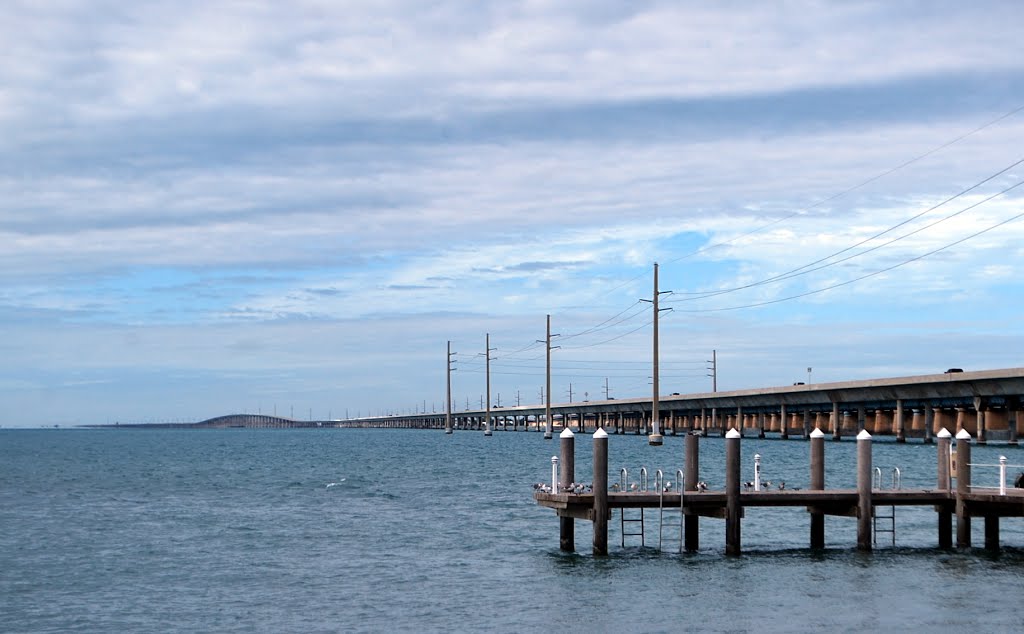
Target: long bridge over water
988 404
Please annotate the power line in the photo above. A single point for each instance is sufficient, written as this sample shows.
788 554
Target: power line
807 268
866 276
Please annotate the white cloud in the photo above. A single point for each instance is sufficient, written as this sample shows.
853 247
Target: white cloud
477 165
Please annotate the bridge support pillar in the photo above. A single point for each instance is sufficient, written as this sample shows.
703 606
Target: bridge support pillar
901 434
836 433
979 407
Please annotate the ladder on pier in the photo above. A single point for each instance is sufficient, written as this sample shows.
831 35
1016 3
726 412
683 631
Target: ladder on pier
635 524
659 481
885 522
632 522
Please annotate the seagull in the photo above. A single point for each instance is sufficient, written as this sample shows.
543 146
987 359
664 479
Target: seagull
615 487
782 485
633 486
702 486
748 486
766 483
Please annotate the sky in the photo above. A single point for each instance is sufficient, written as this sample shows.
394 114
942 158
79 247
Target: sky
292 207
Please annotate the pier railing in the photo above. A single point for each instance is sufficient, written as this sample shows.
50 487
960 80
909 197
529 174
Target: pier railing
1002 466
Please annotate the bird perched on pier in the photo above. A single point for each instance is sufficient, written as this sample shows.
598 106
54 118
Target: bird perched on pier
615 487
782 485
543 488
633 486
766 483
748 486
702 486
667 486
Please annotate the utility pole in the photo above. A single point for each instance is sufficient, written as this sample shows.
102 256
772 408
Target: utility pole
570 392
517 399
487 416
448 391
607 392
547 403
713 368
655 438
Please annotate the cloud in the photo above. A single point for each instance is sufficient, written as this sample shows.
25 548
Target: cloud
191 189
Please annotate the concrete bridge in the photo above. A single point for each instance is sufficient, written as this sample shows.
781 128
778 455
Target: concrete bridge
988 404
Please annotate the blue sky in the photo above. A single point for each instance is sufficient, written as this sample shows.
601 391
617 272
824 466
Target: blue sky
220 207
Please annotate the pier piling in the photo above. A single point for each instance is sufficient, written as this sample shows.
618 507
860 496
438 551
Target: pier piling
733 510
566 526
817 484
963 487
600 492
691 521
864 509
944 483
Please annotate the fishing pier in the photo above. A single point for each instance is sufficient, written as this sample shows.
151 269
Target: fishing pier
953 497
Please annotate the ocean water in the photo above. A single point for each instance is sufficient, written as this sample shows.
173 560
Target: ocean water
407 530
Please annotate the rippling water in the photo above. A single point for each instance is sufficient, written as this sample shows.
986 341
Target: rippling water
403 530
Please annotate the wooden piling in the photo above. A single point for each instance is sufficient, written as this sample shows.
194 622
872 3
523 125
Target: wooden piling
943 483
963 487
600 492
864 509
817 484
733 510
691 460
784 417
566 526
991 532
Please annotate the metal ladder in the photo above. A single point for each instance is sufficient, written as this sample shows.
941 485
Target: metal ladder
888 521
659 481
633 521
